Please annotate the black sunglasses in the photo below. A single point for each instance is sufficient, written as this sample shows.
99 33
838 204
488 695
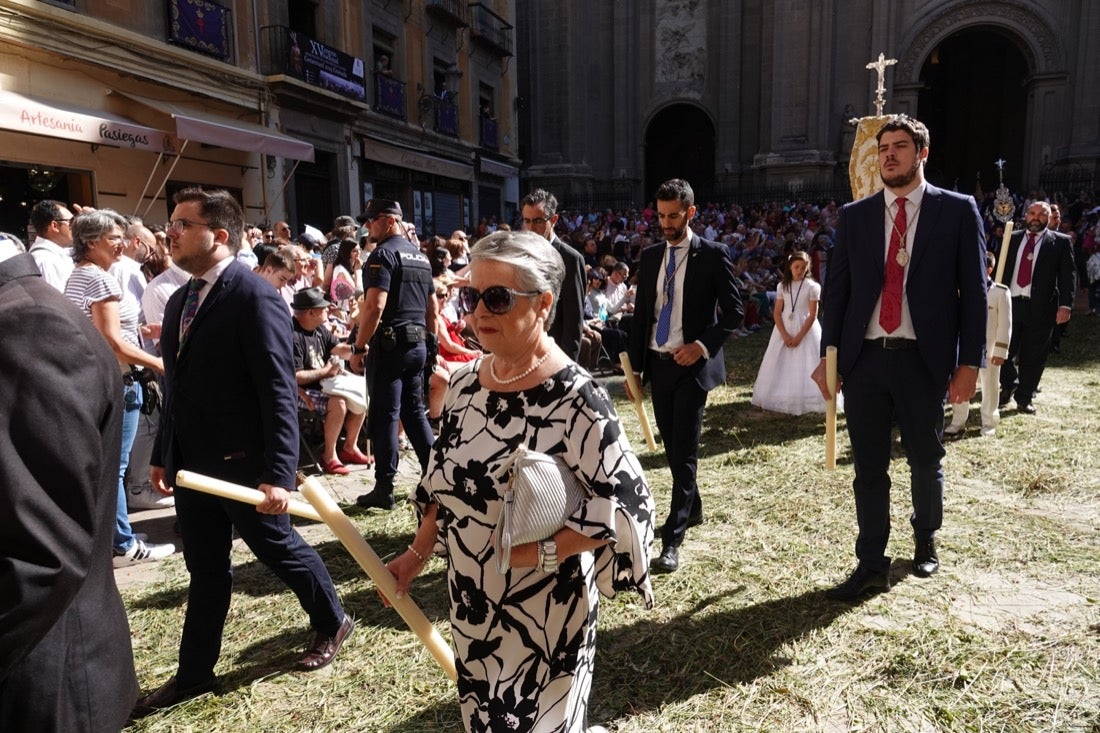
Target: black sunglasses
497 299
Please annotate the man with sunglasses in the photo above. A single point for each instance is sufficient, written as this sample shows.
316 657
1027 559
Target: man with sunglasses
686 307
540 213
52 247
397 336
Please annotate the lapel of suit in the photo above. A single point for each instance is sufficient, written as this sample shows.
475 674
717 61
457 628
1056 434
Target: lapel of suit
1010 263
209 302
650 285
878 249
930 207
690 270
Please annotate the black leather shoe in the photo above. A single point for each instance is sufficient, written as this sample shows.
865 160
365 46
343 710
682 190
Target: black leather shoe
167 695
925 561
695 519
322 650
1005 397
669 561
376 500
1026 408
861 581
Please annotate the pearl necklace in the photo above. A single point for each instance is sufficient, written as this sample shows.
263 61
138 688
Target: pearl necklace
510 380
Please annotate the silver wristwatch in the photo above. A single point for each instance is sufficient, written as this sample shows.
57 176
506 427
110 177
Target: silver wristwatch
548 556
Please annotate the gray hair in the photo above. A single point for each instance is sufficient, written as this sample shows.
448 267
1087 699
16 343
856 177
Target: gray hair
90 226
538 266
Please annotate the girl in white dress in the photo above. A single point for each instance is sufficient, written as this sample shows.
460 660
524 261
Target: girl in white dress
783 383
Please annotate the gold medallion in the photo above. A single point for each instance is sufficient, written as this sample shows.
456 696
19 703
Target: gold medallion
902 257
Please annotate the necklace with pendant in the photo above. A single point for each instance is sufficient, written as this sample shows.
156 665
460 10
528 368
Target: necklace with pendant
510 380
902 257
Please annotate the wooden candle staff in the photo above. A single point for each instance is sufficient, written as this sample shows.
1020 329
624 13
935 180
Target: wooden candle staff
1003 254
325 509
636 398
830 408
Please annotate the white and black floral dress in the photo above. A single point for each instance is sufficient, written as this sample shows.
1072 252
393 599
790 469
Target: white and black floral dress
525 640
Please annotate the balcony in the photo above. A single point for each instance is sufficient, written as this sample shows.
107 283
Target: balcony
490 133
490 29
389 96
451 11
442 112
284 51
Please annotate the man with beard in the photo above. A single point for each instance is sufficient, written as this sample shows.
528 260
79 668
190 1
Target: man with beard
905 305
1041 278
686 307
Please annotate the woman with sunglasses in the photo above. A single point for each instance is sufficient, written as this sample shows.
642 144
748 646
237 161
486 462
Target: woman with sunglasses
525 638
97 244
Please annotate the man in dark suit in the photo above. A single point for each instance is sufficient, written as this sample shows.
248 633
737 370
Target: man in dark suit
686 307
1041 278
539 210
905 305
230 412
65 658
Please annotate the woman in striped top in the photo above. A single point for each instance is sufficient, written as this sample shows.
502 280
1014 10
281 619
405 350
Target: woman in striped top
97 244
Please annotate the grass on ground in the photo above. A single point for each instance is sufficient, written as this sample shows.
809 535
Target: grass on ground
1005 638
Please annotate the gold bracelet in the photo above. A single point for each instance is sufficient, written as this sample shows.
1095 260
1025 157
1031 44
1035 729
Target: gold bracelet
423 560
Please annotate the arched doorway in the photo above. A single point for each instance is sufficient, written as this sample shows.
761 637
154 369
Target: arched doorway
679 143
974 103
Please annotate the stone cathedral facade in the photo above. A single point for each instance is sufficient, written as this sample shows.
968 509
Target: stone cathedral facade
743 96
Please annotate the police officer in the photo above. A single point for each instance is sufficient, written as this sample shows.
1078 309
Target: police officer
396 333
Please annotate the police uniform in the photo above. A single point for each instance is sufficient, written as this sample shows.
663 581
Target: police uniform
397 356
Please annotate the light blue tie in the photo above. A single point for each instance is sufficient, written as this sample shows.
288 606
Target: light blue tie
664 319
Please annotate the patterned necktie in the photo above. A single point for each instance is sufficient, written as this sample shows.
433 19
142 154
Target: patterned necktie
1023 275
889 316
191 304
664 318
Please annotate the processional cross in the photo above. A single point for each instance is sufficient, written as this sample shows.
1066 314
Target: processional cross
880 92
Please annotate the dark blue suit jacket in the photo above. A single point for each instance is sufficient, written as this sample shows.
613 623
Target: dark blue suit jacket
946 285
231 401
712 307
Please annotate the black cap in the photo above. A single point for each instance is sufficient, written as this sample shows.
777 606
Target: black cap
309 298
379 207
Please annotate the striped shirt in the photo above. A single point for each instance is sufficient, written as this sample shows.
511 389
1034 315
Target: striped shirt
92 284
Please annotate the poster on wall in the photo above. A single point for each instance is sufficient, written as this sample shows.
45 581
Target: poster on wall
417 212
323 66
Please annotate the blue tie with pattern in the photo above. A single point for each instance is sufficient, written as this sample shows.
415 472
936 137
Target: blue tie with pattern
191 304
664 319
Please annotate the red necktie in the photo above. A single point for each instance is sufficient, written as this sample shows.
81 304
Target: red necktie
889 316
1023 275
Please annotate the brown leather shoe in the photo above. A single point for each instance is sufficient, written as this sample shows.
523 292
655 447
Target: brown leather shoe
168 695
322 650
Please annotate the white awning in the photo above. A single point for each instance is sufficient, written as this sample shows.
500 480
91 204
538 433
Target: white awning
37 117
202 127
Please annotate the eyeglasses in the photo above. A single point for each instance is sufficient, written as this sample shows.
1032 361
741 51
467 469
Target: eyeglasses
498 299
68 221
178 225
538 221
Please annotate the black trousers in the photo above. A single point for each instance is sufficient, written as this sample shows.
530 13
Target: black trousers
1028 349
395 382
887 387
206 524
678 403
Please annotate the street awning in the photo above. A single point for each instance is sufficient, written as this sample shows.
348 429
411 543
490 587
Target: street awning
38 117
202 127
